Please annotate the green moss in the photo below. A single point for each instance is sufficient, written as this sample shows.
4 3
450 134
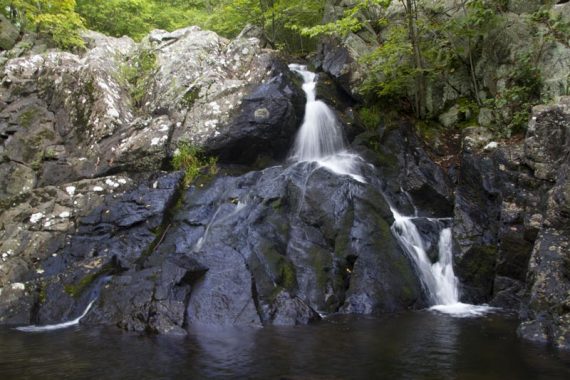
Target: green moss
90 88
75 290
281 270
477 267
428 130
159 234
277 204
371 117
190 97
50 154
42 293
321 263
193 162
288 275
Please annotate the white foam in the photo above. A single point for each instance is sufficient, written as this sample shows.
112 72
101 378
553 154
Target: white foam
438 278
463 310
343 164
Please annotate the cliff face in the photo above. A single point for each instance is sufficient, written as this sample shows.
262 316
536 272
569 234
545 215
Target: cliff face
495 53
78 131
87 213
85 207
511 224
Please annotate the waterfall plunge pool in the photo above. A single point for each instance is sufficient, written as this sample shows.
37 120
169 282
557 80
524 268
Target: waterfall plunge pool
410 345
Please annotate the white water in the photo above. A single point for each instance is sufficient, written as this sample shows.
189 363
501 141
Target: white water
320 140
35 328
439 278
320 137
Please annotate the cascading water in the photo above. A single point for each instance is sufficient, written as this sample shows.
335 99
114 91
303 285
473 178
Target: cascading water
320 140
320 134
94 294
59 326
320 137
438 278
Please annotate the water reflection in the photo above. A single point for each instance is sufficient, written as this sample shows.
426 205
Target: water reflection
419 345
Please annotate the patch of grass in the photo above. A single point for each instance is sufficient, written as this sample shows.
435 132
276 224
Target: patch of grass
192 161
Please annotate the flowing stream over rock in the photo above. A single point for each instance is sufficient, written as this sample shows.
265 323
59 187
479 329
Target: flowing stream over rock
93 295
320 139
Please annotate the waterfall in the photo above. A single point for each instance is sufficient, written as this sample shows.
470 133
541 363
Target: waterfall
438 278
320 137
320 140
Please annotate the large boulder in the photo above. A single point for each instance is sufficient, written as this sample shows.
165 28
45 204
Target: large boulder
285 244
229 98
122 106
77 131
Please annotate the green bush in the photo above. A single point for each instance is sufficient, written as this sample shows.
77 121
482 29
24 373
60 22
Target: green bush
54 18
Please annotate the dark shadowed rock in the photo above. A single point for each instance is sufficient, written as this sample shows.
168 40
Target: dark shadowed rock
266 121
408 173
284 243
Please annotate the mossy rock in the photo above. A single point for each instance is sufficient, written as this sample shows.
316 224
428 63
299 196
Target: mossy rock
476 271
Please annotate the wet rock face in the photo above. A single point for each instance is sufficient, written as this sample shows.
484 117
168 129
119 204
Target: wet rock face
548 280
266 122
280 246
498 211
285 244
511 224
75 130
409 175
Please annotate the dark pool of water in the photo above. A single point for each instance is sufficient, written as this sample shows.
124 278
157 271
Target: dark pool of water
418 345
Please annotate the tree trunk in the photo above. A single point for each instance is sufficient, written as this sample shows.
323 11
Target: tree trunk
420 83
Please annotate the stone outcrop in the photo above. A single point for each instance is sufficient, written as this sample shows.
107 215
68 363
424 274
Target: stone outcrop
511 223
279 246
88 215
